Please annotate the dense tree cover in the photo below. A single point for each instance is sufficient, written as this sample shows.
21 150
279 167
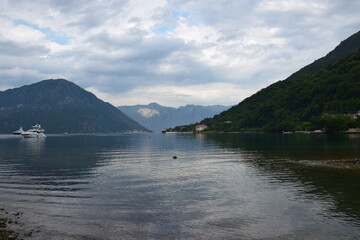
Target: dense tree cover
316 97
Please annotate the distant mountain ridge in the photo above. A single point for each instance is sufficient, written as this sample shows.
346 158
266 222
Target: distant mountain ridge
60 106
308 99
156 117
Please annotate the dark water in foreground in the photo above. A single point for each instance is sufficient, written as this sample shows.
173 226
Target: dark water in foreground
220 187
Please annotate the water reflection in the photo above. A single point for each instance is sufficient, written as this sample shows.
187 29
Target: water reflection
311 147
284 156
33 146
201 137
221 186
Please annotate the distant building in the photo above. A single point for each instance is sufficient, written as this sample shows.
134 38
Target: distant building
199 128
353 130
353 116
165 130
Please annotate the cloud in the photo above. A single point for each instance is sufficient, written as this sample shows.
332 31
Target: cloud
47 33
147 112
172 52
204 94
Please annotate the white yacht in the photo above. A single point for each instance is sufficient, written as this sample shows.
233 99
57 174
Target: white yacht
19 131
34 132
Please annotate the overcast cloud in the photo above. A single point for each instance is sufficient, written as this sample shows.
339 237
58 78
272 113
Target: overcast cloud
173 52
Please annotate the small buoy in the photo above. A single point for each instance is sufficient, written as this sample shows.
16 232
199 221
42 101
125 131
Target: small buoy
174 157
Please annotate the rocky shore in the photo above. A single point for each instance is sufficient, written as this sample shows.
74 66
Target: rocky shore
345 163
6 234
10 221
353 164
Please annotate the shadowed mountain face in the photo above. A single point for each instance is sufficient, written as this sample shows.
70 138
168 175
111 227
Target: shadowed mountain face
330 85
60 106
156 117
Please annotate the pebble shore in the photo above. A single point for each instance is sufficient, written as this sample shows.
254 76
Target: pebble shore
7 222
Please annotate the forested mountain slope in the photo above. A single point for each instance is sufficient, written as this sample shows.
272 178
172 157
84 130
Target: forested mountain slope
329 86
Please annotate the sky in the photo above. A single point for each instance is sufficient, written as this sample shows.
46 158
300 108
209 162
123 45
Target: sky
173 52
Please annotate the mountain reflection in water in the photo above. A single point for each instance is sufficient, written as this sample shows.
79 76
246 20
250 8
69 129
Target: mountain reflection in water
231 186
302 156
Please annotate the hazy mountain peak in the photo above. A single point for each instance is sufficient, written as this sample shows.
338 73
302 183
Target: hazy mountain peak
154 105
156 117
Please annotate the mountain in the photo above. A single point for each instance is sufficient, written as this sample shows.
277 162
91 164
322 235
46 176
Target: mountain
156 117
309 98
60 106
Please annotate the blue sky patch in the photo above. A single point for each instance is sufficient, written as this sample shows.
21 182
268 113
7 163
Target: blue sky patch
177 12
50 35
163 29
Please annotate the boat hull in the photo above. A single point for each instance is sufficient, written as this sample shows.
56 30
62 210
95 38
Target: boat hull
33 135
19 131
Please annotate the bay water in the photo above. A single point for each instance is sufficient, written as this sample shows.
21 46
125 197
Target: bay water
220 186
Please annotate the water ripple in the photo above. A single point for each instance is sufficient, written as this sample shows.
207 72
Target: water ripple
130 187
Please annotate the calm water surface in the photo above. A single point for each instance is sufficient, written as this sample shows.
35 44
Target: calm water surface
220 186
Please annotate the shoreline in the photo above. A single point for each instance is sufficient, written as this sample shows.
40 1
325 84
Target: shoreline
10 222
6 232
264 132
351 164
338 164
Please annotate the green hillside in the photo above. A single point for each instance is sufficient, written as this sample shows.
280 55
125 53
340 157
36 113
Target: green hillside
311 98
60 106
